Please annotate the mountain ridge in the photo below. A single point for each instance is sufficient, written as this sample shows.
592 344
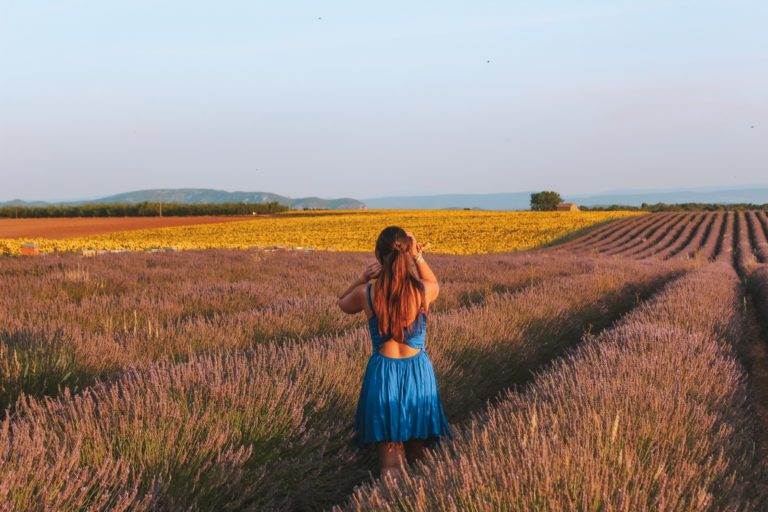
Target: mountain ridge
757 194
204 196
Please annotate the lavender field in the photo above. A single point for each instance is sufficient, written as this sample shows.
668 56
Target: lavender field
622 370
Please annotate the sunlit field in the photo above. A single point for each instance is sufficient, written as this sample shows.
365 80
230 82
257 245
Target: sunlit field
447 231
623 369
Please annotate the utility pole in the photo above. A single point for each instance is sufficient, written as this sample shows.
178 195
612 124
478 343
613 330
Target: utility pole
161 205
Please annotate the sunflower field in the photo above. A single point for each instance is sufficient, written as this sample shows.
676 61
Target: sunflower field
446 231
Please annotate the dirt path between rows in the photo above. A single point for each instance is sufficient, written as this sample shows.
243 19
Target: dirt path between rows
753 347
754 354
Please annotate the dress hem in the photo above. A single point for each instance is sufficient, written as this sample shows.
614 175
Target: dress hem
433 438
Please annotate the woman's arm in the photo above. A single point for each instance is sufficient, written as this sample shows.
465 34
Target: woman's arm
431 286
353 299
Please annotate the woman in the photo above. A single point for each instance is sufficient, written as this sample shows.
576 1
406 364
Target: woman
399 407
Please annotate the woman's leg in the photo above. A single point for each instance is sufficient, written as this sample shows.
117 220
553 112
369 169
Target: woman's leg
391 458
414 450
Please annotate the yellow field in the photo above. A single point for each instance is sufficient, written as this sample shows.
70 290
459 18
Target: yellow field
447 231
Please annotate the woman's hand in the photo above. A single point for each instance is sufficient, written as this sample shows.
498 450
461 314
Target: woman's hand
350 302
416 247
372 271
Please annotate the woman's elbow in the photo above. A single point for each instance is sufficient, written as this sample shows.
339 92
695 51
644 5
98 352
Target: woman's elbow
344 306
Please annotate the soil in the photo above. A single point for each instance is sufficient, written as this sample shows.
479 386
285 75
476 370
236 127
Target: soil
84 226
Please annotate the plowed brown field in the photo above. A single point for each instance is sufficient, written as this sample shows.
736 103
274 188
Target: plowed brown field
80 226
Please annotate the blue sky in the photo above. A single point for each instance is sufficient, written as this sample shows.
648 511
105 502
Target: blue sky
361 99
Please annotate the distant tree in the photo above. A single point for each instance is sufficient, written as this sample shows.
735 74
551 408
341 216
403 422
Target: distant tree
545 201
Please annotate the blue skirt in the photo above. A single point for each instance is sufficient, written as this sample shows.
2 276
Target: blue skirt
399 400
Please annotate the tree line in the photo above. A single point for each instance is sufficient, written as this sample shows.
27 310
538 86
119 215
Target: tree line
143 209
680 207
548 200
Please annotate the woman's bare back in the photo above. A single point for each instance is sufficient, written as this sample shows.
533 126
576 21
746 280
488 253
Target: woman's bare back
391 347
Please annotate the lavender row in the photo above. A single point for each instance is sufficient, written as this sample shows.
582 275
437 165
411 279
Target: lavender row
67 320
270 429
653 238
651 415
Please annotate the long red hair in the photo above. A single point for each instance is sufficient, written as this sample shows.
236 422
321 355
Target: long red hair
398 288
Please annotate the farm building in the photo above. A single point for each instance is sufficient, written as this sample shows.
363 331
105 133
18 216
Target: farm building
29 249
568 207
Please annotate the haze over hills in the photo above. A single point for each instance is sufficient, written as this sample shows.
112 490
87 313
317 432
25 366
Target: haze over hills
755 195
205 196
498 201
521 200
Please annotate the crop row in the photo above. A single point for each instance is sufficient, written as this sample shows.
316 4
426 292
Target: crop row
67 320
271 428
650 415
607 230
739 237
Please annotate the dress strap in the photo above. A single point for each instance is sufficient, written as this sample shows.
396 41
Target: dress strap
368 296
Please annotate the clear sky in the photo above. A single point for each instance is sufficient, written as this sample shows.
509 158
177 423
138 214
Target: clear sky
367 99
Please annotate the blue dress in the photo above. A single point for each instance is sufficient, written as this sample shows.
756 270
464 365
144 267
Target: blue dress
399 398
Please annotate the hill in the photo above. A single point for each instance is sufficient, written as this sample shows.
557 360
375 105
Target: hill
206 196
